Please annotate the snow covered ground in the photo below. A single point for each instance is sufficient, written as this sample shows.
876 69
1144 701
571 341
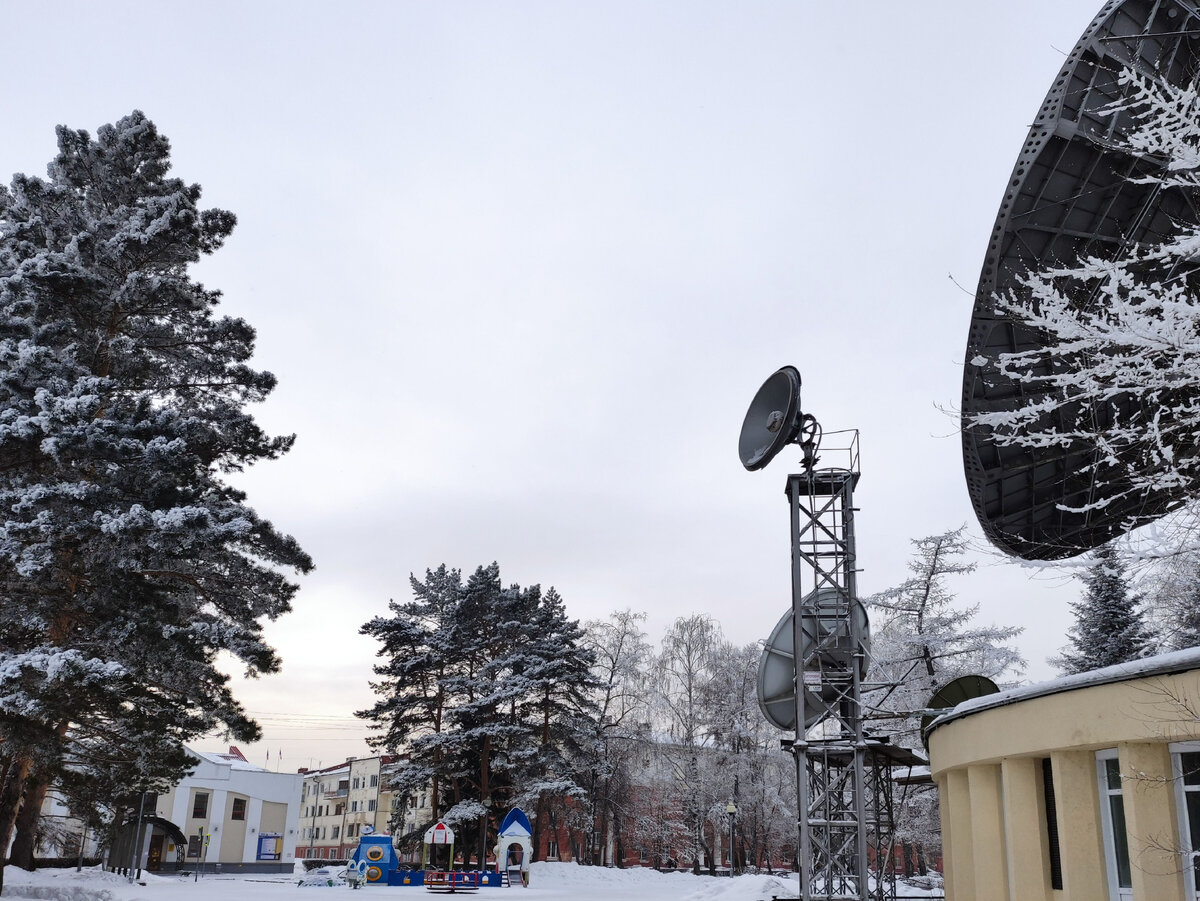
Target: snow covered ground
558 881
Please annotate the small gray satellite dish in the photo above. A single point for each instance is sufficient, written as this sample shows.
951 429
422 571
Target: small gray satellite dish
773 421
777 665
954 693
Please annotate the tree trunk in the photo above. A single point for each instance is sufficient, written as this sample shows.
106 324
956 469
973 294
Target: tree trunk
538 819
28 817
16 768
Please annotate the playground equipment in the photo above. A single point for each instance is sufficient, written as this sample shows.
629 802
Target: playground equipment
449 880
375 862
514 848
374 859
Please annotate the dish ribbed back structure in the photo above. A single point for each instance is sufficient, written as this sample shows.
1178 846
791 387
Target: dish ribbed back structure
1073 193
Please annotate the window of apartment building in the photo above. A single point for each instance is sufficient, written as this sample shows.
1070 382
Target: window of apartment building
239 809
200 806
423 794
355 785
1185 758
1112 815
370 806
1051 810
374 781
339 809
552 849
334 834
354 807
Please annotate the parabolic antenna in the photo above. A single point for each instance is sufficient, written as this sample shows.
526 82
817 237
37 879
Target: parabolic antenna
954 693
777 665
1074 193
773 421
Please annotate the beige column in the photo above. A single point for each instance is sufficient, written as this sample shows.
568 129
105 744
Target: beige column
987 832
958 857
1080 843
947 834
1025 829
1147 791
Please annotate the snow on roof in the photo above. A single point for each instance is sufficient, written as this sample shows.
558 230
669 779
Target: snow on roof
1158 665
233 761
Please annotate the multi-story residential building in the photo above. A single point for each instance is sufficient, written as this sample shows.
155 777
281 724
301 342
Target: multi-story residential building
338 802
417 816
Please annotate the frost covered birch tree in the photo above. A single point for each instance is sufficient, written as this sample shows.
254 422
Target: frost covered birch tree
685 673
127 560
1173 602
1120 335
622 656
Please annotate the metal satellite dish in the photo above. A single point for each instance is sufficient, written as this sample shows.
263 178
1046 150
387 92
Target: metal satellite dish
1073 193
777 665
952 694
773 421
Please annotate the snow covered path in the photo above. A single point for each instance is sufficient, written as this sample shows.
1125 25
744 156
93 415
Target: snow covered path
557 881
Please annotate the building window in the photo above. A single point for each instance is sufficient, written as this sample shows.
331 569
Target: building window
1186 761
200 806
374 781
552 849
1051 824
1112 812
355 785
239 809
334 834
370 806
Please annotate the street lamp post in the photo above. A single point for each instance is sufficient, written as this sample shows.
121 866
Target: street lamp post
487 803
731 810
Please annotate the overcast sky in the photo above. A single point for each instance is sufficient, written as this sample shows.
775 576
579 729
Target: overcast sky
520 268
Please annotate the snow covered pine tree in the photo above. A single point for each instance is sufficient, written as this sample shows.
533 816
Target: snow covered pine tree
127 561
489 692
1108 619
